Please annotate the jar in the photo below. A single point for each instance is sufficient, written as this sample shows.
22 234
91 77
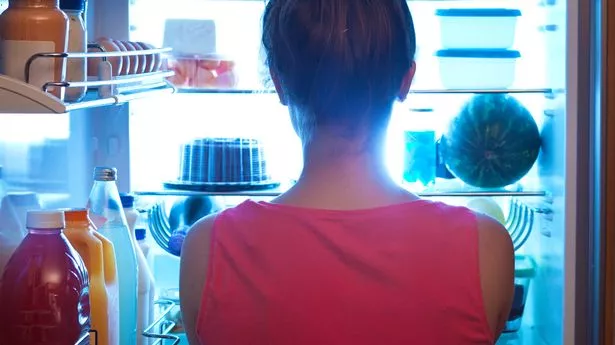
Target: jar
29 27
76 69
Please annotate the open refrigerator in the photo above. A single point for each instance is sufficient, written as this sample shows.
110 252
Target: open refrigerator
553 213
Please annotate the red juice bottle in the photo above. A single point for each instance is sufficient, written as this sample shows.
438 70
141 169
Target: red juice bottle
44 296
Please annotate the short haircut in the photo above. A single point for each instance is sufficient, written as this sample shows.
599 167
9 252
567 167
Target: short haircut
341 62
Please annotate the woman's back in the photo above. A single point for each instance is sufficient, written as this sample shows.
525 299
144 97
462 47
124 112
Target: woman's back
346 256
401 274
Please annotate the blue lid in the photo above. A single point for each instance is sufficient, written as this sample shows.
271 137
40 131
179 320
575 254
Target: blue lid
72 5
479 53
477 12
140 234
127 200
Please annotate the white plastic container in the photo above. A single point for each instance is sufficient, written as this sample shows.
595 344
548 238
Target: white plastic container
146 287
472 69
485 28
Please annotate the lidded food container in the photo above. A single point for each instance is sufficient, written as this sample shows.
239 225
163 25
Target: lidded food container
223 164
487 28
477 68
211 71
525 270
194 59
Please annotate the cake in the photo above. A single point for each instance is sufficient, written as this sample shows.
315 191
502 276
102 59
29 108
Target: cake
223 161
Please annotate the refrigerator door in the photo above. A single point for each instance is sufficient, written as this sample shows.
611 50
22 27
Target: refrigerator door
607 169
583 302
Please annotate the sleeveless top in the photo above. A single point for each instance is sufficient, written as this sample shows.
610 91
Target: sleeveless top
401 274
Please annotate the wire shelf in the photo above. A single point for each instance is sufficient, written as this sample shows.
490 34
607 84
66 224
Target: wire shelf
160 329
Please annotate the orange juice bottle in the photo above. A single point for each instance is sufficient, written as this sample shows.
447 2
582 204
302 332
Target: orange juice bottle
97 253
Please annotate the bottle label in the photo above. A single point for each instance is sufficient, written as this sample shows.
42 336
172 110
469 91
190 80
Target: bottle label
15 54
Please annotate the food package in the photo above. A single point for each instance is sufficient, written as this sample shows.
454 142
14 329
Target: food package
202 71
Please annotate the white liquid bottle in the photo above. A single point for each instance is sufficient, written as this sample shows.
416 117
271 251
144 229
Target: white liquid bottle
107 214
145 299
141 235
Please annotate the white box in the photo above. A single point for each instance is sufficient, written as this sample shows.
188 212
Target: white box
476 69
492 28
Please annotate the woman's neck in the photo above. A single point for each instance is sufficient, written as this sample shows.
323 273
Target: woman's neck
345 174
331 159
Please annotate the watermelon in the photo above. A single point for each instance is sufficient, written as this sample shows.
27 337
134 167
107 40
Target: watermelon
493 141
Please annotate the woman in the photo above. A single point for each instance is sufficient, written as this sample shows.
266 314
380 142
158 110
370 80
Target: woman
346 256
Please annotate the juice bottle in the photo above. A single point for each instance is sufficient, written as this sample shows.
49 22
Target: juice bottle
44 296
29 27
108 217
97 253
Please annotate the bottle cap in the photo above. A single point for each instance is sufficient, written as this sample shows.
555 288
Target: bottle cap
105 174
140 234
127 200
45 220
72 5
76 215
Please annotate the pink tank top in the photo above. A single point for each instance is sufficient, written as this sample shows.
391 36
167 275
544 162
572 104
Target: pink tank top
402 274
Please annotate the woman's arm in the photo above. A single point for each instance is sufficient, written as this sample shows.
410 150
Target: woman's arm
497 271
193 273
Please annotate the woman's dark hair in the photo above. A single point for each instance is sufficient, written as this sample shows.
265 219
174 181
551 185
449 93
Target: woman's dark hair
339 61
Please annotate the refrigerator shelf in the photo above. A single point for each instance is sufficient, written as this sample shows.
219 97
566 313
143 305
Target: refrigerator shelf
20 97
277 191
160 329
545 91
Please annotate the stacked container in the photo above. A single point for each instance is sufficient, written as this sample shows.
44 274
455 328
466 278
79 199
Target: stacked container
476 47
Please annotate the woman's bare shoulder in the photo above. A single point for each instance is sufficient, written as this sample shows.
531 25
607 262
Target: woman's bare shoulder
193 273
497 269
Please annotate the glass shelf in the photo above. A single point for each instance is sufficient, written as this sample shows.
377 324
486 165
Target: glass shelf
418 91
277 191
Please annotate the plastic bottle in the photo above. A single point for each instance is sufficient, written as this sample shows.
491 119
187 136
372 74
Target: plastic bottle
108 217
141 236
128 204
76 69
419 163
45 296
13 212
146 290
97 253
29 27
144 246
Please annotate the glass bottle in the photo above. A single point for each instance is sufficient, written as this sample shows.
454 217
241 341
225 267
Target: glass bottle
108 216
